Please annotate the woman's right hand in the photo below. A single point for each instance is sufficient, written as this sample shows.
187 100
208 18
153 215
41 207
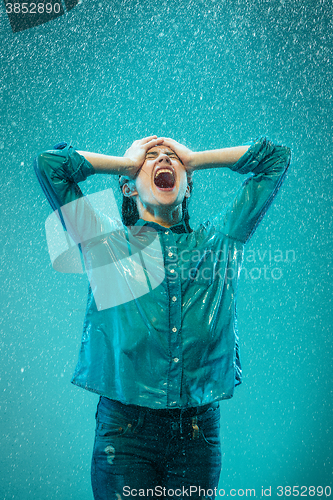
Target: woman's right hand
137 152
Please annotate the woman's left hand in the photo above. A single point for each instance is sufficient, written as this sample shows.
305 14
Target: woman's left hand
183 153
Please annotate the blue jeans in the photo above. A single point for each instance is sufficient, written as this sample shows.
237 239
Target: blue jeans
164 453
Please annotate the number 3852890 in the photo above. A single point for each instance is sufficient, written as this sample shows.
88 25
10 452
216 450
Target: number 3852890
32 8
304 491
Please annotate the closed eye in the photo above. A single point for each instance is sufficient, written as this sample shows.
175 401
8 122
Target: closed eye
154 155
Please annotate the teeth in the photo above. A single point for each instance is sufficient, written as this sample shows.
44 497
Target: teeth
162 170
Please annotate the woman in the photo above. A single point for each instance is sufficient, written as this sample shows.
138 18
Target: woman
162 357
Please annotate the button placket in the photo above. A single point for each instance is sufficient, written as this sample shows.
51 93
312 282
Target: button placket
174 291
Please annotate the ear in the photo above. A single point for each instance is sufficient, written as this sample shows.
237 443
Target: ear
129 189
187 192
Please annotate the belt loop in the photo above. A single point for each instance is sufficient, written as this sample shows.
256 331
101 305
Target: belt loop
181 420
141 419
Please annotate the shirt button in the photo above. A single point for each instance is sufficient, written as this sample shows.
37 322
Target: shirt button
166 232
174 298
176 360
172 270
174 329
170 254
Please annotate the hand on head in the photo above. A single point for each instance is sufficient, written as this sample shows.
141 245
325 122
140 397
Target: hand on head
138 150
183 153
159 180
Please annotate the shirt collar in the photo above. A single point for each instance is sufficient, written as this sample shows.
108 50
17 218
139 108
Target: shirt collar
176 228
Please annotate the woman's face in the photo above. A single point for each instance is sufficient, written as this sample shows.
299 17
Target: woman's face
161 181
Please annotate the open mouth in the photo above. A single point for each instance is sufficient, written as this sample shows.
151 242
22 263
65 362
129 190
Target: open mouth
164 178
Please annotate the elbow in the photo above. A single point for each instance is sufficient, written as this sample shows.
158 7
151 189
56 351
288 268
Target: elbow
49 161
45 164
284 155
39 163
42 164
287 155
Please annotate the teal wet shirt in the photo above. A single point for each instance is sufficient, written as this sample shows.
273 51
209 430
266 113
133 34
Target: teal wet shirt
161 333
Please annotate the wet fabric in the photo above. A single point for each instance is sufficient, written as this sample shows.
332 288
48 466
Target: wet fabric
155 453
176 345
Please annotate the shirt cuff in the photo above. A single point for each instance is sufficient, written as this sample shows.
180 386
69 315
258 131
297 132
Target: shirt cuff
258 150
76 166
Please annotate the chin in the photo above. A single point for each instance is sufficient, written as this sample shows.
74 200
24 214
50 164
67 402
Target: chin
170 198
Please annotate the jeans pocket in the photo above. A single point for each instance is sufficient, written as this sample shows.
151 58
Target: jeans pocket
210 428
210 439
111 429
111 422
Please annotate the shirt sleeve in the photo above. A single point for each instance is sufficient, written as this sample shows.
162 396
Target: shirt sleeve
59 171
268 163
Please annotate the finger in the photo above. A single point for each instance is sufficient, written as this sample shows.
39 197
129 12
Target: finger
168 142
153 142
147 139
171 144
169 139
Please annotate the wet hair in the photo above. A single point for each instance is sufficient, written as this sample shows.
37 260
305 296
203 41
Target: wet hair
130 214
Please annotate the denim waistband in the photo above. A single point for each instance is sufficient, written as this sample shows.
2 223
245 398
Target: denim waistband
160 413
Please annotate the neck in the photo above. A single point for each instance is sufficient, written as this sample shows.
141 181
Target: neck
163 216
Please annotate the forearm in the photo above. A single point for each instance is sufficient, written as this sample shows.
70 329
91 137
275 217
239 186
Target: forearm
114 165
217 158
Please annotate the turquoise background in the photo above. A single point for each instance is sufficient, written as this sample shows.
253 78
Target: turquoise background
209 74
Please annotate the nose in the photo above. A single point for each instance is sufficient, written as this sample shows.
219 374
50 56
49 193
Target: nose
163 158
